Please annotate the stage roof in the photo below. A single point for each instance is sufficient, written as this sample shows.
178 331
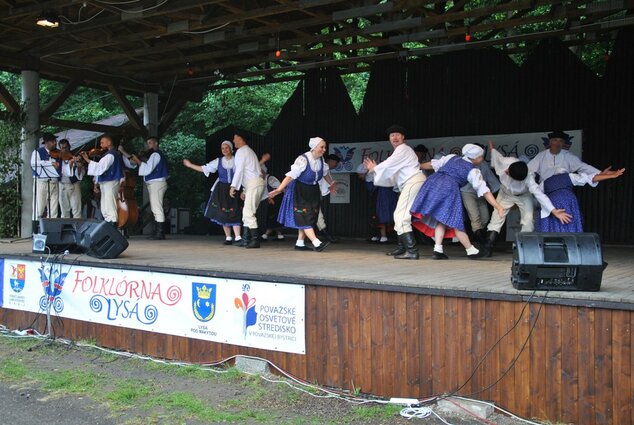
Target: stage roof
190 45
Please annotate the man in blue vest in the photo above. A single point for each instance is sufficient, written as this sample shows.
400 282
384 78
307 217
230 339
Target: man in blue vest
46 171
109 173
155 173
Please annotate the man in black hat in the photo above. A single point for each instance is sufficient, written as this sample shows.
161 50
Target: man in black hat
46 171
400 169
557 160
546 163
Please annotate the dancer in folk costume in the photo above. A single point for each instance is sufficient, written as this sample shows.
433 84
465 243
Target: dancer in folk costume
438 205
400 169
221 208
559 189
300 205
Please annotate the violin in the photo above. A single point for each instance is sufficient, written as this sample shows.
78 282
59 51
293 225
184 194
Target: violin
63 155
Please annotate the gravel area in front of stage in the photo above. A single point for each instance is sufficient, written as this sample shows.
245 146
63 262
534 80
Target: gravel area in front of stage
55 383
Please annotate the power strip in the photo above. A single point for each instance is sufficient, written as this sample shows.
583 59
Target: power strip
404 401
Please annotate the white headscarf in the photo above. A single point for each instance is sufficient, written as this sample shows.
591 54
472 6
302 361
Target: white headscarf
314 141
228 143
471 151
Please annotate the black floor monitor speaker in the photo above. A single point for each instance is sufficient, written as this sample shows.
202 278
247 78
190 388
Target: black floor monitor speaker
96 238
557 261
60 233
100 239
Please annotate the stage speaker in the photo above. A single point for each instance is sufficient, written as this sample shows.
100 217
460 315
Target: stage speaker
557 261
59 234
100 239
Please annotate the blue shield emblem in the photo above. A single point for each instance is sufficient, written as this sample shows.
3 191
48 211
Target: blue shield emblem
204 301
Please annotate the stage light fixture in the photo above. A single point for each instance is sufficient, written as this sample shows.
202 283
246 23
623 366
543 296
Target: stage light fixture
278 53
48 19
467 37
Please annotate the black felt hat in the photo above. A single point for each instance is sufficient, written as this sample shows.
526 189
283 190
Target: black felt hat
396 129
49 137
558 134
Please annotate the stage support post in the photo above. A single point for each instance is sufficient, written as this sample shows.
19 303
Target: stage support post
30 137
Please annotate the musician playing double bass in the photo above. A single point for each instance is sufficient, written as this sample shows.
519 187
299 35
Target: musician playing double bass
153 168
109 173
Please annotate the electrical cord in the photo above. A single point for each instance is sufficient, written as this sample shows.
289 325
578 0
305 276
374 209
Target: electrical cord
475 369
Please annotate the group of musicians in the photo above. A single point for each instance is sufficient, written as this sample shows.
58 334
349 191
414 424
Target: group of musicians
58 173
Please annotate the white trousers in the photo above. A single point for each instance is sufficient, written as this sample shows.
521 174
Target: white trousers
477 210
253 190
109 195
507 201
156 190
70 199
47 198
402 216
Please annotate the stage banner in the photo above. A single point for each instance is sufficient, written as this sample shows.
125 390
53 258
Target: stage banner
342 195
519 145
248 313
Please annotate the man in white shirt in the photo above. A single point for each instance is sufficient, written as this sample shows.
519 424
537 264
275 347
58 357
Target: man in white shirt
517 187
46 171
400 169
247 174
546 163
70 184
154 171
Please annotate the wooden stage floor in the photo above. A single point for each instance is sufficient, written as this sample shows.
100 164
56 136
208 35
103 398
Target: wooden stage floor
355 263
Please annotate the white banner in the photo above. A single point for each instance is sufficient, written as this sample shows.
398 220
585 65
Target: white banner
255 314
519 145
342 195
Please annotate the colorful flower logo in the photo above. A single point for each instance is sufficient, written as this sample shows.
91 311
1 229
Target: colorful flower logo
247 305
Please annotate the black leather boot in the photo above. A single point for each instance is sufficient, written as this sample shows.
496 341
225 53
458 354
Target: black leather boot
254 239
480 236
490 241
400 247
411 249
246 234
159 235
153 234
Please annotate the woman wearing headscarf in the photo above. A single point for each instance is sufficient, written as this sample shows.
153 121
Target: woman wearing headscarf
559 189
438 205
300 205
221 208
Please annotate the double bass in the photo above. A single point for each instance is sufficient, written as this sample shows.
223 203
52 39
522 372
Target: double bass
127 206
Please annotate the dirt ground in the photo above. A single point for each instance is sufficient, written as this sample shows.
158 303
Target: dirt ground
56 383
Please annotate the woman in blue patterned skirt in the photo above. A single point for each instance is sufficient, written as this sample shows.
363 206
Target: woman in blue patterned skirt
221 208
559 189
300 205
437 209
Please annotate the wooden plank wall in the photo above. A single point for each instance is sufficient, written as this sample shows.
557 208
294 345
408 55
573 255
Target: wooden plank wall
576 367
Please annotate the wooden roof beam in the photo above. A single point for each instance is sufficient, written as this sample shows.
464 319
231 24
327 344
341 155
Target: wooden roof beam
134 118
58 100
8 101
